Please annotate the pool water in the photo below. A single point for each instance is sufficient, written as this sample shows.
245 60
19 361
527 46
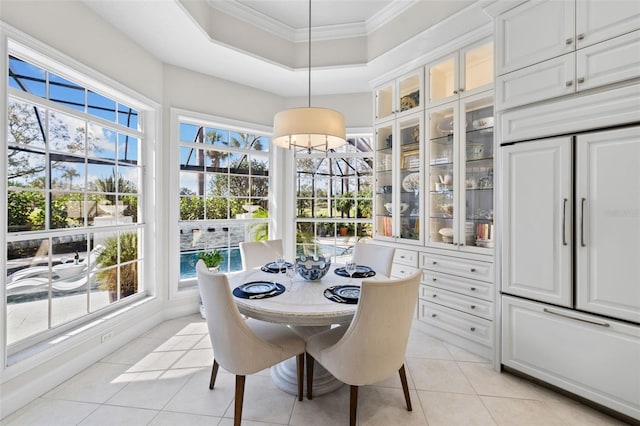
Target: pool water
231 263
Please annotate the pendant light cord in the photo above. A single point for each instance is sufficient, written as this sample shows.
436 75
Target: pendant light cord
309 101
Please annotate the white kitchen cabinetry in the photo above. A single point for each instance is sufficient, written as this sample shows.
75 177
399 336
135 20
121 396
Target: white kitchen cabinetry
456 301
460 179
584 354
399 97
607 236
537 220
398 177
541 54
462 73
405 263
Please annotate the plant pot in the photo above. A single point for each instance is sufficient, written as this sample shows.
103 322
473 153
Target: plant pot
343 231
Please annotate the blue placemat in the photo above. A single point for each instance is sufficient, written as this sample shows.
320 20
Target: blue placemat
349 294
361 272
237 292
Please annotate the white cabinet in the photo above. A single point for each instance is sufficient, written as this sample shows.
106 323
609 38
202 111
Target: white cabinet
607 236
398 177
543 53
537 220
460 179
584 354
462 73
456 301
399 97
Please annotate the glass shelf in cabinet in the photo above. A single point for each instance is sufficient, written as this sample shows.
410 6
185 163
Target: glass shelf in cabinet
443 140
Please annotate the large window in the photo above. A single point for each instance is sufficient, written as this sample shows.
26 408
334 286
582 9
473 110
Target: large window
73 199
223 192
334 199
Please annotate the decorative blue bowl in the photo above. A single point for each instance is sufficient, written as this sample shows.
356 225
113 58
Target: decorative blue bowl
312 268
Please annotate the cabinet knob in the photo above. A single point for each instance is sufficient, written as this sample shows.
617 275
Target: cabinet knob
433 279
461 244
569 83
401 257
580 79
580 36
434 296
473 289
434 263
473 269
433 315
472 329
568 41
461 89
455 92
473 306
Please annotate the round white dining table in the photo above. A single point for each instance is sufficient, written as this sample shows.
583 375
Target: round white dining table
305 309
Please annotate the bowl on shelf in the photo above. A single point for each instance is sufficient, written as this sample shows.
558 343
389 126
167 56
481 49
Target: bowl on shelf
447 209
312 268
446 235
403 207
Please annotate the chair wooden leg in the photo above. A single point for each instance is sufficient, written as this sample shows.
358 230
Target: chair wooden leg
310 362
214 374
237 414
405 387
353 405
300 368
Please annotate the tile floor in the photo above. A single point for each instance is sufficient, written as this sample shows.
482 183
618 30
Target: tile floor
162 377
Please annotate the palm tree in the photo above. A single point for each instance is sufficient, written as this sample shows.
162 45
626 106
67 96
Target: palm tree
70 174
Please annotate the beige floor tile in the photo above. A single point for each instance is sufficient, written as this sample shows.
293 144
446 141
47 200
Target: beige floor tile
453 409
178 326
204 343
422 346
51 413
438 375
394 381
156 361
133 351
330 409
195 397
385 406
264 402
108 415
96 384
521 412
152 390
487 381
165 418
576 414
460 354
195 358
179 342
226 421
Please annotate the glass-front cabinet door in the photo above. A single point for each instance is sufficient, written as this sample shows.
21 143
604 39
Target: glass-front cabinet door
399 97
443 79
385 226
442 166
477 171
460 179
477 71
398 178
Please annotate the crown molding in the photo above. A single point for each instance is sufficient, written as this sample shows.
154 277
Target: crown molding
387 14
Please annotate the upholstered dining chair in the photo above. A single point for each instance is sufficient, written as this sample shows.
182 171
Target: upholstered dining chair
243 347
375 256
258 253
372 347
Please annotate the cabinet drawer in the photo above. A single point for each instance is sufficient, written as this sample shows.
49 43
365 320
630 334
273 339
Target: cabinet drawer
465 286
473 328
401 271
588 355
470 305
406 257
461 267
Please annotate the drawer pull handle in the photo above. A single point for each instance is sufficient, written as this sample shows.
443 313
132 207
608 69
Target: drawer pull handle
473 269
433 279
601 324
472 329
434 263
568 41
473 289
473 306
580 36
569 83
433 315
580 80
434 295
401 257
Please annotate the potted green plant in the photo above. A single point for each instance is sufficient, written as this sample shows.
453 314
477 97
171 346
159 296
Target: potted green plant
212 259
108 256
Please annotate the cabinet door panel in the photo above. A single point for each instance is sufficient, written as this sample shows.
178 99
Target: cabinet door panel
598 20
534 32
609 62
574 353
537 220
546 80
608 227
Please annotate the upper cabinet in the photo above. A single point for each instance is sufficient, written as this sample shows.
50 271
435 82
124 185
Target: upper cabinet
551 48
398 177
463 73
400 97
